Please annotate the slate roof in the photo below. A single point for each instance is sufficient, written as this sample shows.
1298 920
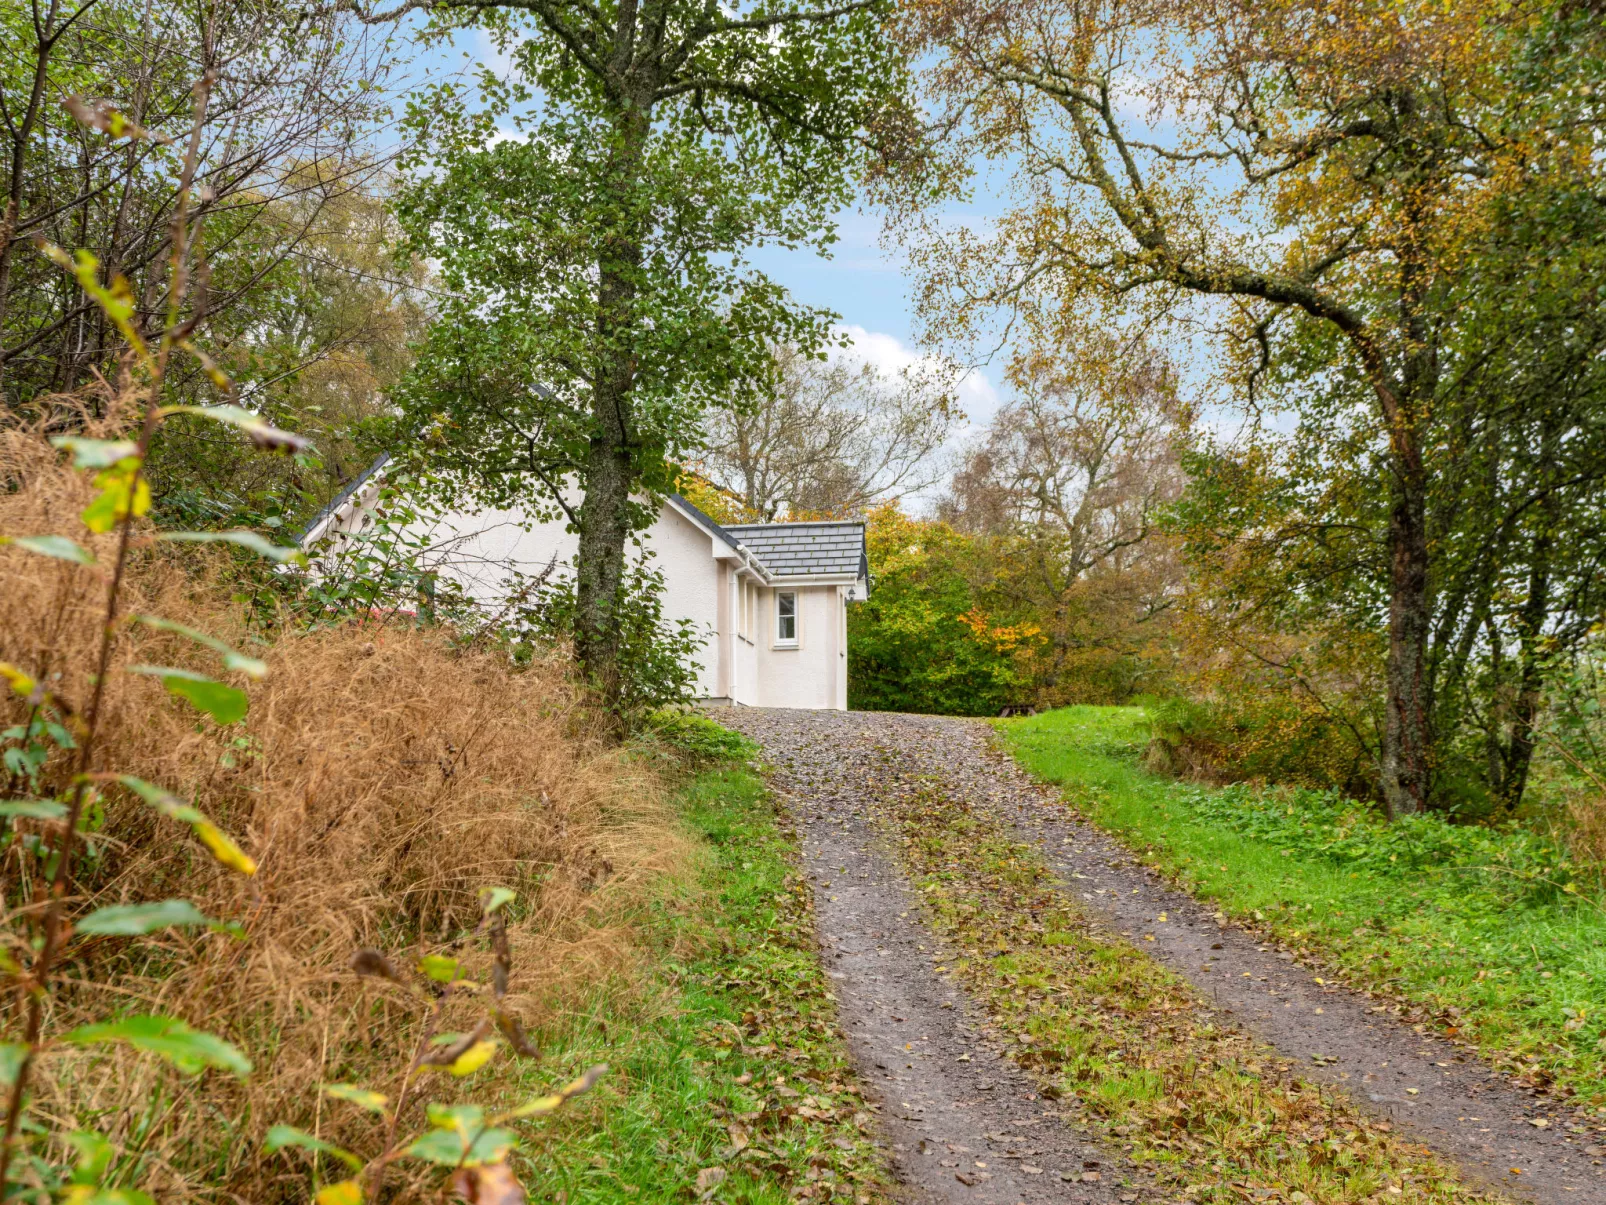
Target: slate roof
702 520
804 549
781 549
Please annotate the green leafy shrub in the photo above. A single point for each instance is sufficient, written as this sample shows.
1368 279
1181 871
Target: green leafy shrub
657 660
1257 735
698 737
923 642
1513 863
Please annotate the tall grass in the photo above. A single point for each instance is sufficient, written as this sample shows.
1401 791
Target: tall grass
1494 932
380 780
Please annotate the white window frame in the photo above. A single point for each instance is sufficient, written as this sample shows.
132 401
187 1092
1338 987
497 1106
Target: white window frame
786 642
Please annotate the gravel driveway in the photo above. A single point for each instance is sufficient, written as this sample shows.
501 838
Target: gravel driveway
976 1131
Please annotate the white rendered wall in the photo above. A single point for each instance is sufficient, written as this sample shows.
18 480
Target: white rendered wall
482 549
746 626
738 660
814 674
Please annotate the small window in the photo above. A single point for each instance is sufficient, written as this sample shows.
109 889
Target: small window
786 618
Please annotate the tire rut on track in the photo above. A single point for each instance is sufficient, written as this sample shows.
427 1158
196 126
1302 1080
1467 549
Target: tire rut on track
963 1122
881 960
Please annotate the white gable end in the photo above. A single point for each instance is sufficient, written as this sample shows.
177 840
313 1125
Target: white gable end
772 635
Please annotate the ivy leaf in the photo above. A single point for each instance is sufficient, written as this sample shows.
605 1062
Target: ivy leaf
249 666
543 1105
281 1136
222 846
23 684
94 1194
94 1156
464 1054
261 432
224 849
115 300
96 453
34 809
131 920
472 1059
465 1119
59 547
124 492
245 539
494 898
190 1050
224 703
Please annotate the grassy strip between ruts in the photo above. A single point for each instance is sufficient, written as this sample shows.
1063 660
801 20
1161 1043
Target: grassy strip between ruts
1481 930
1204 1107
729 1079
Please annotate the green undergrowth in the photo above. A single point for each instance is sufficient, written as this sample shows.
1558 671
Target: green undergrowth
1484 930
694 737
729 1081
1202 1108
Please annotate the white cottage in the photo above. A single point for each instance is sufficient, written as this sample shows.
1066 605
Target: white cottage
770 599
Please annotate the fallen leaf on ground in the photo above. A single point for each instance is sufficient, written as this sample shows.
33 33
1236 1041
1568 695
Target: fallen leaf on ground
490 1184
709 1179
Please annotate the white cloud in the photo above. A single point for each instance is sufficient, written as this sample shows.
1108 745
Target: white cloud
977 396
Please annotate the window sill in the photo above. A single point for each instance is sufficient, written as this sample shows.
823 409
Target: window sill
784 644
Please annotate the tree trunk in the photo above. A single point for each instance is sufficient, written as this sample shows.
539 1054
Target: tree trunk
1528 703
1408 725
1407 732
1531 621
599 564
611 471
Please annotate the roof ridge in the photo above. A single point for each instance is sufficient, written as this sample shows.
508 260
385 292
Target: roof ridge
334 504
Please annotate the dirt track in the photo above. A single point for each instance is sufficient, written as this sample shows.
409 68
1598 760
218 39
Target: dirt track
973 1130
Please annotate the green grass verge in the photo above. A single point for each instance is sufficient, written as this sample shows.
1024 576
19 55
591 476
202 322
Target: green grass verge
725 1053
1203 1107
1483 929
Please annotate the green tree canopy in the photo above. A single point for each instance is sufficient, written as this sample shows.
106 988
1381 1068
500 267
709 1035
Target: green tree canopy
1384 210
591 210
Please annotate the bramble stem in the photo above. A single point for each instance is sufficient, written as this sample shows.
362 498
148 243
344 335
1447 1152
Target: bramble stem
56 915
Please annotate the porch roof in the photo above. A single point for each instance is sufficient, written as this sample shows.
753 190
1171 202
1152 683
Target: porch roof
806 549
